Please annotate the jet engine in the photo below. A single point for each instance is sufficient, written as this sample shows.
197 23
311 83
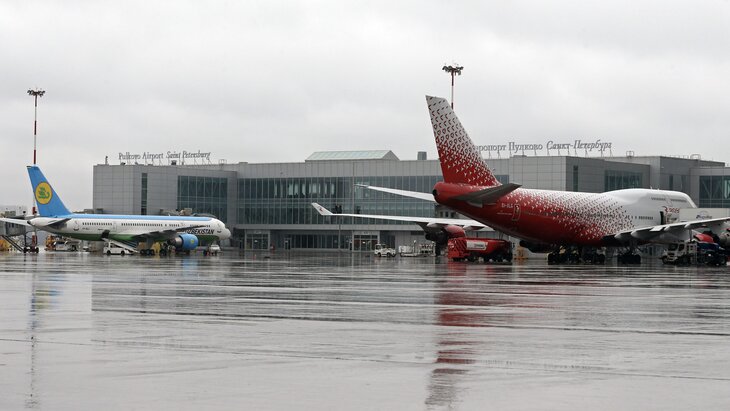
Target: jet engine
454 231
724 239
438 237
185 242
707 238
441 235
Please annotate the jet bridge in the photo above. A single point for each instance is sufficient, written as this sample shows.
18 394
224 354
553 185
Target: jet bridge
8 231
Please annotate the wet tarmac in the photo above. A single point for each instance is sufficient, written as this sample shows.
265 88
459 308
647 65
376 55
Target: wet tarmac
322 332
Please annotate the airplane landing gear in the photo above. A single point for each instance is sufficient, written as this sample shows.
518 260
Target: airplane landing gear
577 255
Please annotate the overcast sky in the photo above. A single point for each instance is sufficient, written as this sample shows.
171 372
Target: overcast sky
274 81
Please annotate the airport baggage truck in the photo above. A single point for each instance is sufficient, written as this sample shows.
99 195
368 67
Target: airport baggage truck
471 249
695 253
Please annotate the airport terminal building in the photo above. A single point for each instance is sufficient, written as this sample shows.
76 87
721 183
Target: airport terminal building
269 205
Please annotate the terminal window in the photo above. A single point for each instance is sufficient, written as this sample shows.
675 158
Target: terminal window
715 191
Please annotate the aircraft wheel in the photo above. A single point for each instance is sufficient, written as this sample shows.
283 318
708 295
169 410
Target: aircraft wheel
551 258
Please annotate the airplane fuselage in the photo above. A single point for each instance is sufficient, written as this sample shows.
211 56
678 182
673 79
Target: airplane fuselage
96 227
568 218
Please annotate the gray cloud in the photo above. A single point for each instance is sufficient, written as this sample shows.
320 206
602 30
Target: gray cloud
275 81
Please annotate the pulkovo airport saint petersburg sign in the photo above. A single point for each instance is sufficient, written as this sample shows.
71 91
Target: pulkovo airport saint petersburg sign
577 147
171 157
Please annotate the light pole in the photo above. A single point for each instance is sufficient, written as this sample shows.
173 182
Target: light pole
453 70
35 94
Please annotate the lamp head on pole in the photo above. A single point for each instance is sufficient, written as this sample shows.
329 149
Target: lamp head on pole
455 69
36 93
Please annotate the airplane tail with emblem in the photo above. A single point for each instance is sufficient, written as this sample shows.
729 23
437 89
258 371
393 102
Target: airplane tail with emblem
461 162
48 201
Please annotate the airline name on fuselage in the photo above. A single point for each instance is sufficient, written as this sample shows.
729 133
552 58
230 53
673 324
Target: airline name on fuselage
208 231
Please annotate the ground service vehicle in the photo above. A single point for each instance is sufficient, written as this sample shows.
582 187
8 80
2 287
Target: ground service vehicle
213 249
111 249
471 249
416 250
69 245
382 250
695 253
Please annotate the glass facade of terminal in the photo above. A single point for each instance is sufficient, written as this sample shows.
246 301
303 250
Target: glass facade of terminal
269 205
618 180
277 201
204 195
715 191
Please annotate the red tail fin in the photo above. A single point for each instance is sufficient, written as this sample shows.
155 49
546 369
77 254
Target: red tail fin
461 162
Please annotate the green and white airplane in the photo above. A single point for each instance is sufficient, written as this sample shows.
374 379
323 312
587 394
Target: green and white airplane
185 233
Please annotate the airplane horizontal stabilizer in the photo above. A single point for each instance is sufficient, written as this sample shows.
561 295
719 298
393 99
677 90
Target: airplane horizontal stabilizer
488 195
15 221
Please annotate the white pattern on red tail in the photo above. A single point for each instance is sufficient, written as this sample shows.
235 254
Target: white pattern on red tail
461 162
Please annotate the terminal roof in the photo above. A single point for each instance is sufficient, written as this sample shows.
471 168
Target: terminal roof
352 155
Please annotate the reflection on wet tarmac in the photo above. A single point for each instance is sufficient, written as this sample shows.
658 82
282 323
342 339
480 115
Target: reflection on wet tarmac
319 331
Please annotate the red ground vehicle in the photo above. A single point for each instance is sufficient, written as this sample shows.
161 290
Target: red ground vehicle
471 249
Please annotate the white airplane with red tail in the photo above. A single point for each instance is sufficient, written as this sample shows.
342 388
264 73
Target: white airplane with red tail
547 219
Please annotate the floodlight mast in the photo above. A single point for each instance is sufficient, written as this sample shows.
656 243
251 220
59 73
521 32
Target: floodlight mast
453 70
35 94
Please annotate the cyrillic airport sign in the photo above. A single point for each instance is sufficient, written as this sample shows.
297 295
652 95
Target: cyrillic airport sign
585 147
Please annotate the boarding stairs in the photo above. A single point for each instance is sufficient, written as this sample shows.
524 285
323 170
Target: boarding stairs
12 242
127 245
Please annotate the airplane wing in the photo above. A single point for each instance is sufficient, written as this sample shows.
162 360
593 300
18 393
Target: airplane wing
15 221
166 234
404 193
425 222
649 232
